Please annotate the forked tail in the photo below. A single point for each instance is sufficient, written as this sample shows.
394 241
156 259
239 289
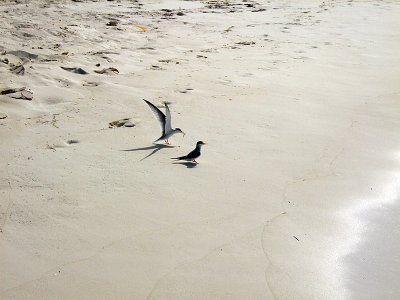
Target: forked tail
181 157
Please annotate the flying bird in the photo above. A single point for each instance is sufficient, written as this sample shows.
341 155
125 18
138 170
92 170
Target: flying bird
165 122
192 155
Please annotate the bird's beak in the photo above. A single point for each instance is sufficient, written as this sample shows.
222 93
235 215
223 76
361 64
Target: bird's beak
205 143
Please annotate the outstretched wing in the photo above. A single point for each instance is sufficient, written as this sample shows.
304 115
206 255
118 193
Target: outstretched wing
158 114
168 125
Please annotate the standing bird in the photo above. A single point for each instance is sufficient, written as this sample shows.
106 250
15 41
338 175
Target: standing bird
192 155
165 122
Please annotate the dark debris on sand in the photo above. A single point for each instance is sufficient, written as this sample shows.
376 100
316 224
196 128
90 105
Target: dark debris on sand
108 71
75 70
18 93
121 123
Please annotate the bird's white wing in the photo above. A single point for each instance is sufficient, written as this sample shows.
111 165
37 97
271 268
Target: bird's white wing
158 114
168 126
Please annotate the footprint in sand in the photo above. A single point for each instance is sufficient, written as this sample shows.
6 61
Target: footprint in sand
61 144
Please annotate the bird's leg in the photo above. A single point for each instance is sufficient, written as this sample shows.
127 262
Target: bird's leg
166 142
195 161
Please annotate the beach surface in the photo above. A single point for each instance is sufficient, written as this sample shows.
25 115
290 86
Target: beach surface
296 195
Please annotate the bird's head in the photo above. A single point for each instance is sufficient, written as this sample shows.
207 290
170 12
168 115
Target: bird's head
179 130
200 143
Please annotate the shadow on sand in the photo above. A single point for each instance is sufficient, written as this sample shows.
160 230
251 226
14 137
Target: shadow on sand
155 148
188 165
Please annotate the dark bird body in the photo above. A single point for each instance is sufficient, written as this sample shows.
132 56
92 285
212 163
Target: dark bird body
193 154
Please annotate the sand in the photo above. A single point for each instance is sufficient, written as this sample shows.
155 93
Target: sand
296 194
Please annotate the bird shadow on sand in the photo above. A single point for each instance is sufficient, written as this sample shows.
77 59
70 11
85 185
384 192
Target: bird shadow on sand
155 148
188 165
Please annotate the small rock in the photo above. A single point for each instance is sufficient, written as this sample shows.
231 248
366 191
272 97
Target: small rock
112 23
72 142
245 43
23 95
3 115
129 124
28 95
259 10
179 13
90 83
18 93
119 123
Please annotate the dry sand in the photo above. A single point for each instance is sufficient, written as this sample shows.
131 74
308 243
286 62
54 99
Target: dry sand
295 197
